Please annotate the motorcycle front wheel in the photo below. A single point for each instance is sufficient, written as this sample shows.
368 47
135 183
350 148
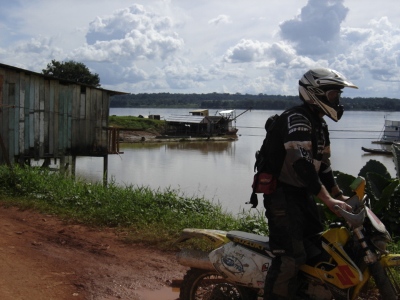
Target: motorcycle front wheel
208 285
393 274
386 283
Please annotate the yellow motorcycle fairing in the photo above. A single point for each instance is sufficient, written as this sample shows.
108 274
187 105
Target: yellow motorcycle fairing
339 270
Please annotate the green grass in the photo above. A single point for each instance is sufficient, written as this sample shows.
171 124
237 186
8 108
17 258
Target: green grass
151 216
154 217
136 123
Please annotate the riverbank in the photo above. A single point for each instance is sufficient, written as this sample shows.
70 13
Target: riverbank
151 136
144 130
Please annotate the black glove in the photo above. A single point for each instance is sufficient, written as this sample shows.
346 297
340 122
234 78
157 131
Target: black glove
253 200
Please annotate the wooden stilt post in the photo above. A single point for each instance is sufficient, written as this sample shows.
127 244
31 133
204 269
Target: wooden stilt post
73 166
105 169
62 162
5 152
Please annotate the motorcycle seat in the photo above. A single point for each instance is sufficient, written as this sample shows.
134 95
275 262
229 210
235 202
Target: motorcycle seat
249 239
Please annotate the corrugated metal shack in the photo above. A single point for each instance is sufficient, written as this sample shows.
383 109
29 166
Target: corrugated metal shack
187 125
44 118
200 123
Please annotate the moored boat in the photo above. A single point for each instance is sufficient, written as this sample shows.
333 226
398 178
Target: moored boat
200 124
377 151
390 133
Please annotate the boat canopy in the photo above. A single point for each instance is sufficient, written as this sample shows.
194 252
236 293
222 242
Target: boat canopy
391 131
227 111
199 112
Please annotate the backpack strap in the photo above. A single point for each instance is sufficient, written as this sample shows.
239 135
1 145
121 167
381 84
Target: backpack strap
314 138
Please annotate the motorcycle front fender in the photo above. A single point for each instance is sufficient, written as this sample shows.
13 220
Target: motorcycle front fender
390 260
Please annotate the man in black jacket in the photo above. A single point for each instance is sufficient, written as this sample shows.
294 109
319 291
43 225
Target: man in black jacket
303 171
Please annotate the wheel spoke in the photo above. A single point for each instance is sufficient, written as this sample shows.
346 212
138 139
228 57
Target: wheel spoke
207 285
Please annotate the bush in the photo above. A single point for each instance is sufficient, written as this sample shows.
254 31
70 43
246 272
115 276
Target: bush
383 193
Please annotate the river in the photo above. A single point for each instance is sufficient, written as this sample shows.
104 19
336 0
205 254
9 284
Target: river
222 171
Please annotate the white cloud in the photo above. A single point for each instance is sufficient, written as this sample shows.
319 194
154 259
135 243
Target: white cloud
209 46
221 19
316 30
246 51
376 52
38 50
132 33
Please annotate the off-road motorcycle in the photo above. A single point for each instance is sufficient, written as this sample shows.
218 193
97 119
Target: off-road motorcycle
352 261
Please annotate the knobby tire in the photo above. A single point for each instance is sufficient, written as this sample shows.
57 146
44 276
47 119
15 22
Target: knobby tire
208 285
388 287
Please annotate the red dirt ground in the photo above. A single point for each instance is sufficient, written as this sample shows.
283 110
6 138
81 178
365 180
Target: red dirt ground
43 258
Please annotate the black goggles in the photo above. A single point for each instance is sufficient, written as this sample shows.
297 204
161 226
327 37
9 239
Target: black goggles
333 96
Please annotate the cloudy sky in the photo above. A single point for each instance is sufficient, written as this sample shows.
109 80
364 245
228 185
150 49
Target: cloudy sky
203 46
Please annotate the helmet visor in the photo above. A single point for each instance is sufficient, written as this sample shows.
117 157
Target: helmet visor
333 96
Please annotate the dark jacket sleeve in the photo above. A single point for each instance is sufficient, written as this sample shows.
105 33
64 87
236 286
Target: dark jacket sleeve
326 176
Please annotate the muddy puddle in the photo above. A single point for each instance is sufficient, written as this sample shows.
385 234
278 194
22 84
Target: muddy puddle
166 293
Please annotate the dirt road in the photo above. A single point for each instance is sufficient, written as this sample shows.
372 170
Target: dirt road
44 258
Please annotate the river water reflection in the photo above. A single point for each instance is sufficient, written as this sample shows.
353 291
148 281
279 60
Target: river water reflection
223 171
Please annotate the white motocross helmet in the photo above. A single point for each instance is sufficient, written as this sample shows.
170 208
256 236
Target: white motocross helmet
321 88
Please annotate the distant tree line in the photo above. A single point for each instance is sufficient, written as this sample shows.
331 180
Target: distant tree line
240 101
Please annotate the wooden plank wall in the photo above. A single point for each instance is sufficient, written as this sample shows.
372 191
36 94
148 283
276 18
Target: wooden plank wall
45 118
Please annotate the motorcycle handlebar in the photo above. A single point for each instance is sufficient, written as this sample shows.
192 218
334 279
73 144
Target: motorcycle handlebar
353 219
